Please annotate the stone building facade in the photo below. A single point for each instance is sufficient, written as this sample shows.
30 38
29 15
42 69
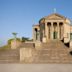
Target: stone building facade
53 27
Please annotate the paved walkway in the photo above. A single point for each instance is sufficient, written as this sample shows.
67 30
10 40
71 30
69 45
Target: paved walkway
35 67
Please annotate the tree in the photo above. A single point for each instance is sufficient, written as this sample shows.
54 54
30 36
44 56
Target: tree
15 35
9 41
24 39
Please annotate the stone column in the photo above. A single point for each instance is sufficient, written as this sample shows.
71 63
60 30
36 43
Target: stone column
58 35
51 31
34 35
62 30
38 35
46 31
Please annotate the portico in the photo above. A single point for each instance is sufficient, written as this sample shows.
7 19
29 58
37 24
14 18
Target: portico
54 30
51 27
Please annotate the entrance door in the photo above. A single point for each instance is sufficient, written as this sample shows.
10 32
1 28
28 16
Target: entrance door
55 35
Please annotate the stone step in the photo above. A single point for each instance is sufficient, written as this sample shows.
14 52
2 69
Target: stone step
9 55
53 52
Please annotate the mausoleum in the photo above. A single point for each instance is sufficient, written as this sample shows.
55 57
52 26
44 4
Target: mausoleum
53 27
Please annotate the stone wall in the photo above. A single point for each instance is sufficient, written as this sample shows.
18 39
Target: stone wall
38 45
66 33
71 44
26 54
15 44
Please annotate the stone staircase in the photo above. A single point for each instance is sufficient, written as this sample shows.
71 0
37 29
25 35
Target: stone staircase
9 56
52 52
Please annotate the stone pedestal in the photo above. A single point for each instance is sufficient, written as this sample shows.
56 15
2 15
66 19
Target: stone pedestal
37 44
66 37
26 54
44 40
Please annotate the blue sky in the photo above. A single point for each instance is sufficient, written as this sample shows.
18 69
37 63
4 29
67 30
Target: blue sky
19 15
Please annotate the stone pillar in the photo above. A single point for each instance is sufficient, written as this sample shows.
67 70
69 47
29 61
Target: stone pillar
38 35
51 31
58 30
26 55
34 35
70 44
46 31
38 44
62 31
